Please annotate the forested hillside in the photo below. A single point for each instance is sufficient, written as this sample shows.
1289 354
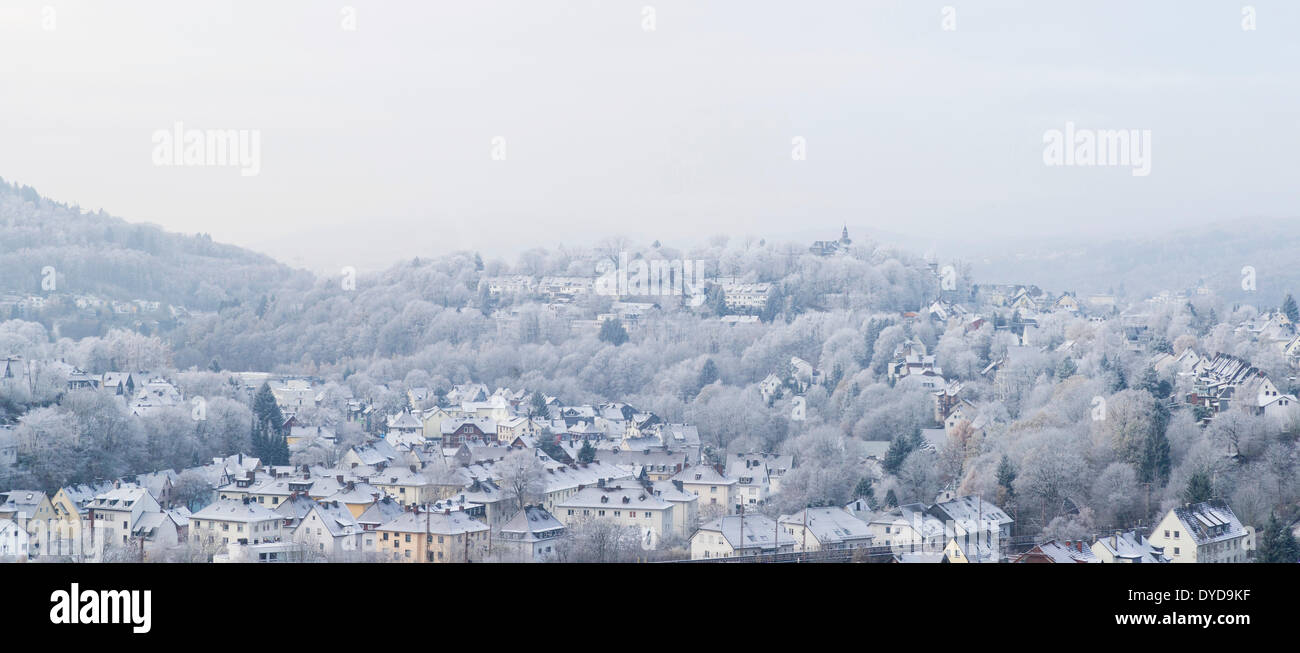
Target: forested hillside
98 254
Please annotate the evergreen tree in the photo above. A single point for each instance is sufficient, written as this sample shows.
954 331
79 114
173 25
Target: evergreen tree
1277 544
612 331
537 405
1150 382
716 300
270 443
1290 309
1066 369
1199 488
587 453
864 489
898 451
1007 476
708 374
1153 466
891 499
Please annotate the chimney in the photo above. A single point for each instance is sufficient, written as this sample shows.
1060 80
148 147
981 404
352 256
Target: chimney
1114 541
339 478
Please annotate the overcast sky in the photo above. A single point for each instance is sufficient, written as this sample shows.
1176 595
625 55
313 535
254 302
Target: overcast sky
377 144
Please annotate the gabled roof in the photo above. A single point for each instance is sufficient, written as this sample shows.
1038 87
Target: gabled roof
1053 551
759 532
437 523
830 524
532 520
1132 547
234 510
703 474
1210 521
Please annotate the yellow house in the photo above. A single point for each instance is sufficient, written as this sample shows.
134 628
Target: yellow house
433 537
962 550
712 488
406 485
1203 532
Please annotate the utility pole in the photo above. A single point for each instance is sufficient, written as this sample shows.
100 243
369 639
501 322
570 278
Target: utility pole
741 537
803 548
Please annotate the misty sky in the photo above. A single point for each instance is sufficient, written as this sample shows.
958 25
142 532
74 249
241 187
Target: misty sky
376 143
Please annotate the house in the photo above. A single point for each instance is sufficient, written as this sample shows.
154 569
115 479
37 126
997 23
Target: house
227 521
293 395
162 529
805 375
13 541
119 383
1062 552
356 495
686 506
975 523
531 535
433 537
752 486
825 529
626 504
832 247
1203 532
961 551
1067 302
406 484
1128 547
32 510
116 512
329 529
510 429
909 527
770 387
713 488
732 536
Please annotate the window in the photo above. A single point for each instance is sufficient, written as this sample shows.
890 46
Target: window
1176 552
1175 535
1166 533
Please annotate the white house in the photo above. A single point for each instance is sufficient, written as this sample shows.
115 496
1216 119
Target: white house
740 535
824 529
530 536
